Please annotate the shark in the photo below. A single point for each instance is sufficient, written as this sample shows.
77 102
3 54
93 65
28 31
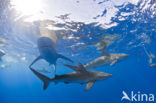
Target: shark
48 52
153 65
105 58
80 75
108 59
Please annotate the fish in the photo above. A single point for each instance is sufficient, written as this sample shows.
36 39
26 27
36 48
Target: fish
109 59
105 58
153 65
48 52
80 75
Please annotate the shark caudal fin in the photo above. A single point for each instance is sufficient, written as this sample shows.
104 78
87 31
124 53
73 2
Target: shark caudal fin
46 80
63 57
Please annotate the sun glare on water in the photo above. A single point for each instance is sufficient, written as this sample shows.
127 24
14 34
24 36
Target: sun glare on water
28 7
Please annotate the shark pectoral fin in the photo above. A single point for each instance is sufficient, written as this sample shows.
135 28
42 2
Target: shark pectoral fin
63 57
89 85
46 84
81 67
46 80
38 58
113 62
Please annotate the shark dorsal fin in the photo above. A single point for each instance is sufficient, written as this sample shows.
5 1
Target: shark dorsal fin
63 57
104 53
89 85
79 67
71 67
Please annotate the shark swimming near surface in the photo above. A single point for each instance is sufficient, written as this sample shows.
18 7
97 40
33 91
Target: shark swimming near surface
109 59
48 52
153 65
106 58
81 75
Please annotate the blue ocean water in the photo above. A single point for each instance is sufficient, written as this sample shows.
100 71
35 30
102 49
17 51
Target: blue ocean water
136 31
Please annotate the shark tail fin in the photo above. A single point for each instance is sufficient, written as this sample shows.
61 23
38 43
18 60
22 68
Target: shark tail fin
63 57
46 80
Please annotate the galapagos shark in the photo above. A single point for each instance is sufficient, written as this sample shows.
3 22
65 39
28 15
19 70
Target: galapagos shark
153 65
48 52
105 58
109 59
81 75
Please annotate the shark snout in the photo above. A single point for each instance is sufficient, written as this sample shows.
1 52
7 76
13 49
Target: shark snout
122 56
109 75
104 75
126 55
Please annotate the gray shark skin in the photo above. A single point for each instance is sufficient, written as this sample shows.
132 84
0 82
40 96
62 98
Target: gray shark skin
153 65
48 52
81 75
111 59
106 58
